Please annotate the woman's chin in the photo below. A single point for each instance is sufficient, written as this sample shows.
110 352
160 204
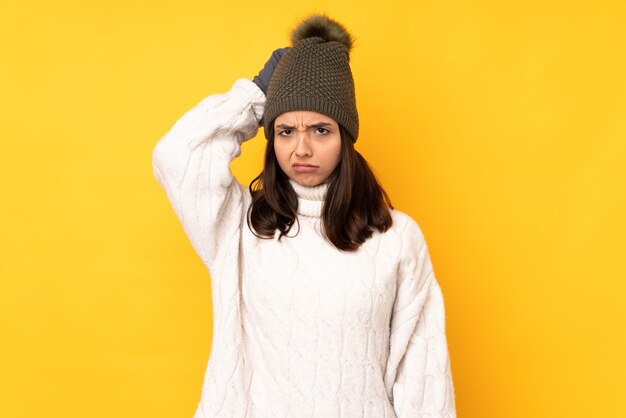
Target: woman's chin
308 181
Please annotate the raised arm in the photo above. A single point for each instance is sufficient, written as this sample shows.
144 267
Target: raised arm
192 164
419 372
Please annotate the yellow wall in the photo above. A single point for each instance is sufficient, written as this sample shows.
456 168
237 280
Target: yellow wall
499 126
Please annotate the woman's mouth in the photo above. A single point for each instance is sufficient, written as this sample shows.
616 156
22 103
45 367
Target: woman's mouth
304 167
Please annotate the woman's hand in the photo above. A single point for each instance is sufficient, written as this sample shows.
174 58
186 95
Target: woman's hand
265 75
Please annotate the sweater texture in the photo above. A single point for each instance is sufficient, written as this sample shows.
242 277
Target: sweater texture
301 329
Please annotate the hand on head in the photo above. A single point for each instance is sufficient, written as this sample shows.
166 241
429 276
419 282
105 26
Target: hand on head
265 75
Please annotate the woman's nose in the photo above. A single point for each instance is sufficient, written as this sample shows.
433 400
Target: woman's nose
302 147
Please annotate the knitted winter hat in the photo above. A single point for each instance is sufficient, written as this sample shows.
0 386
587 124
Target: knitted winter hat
314 74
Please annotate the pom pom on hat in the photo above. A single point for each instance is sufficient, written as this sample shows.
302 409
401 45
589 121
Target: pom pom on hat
324 27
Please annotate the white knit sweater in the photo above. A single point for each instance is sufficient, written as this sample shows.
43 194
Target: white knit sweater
302 329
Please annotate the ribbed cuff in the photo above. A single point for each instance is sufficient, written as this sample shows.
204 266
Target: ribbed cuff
300 102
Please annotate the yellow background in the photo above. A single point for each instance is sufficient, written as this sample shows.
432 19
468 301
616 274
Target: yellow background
499 126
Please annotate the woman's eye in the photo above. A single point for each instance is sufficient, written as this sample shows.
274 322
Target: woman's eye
285 132
322 130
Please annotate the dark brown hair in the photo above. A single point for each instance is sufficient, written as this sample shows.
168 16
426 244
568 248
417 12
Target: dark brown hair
354 206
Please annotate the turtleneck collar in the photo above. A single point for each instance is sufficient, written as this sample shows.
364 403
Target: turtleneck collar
310 198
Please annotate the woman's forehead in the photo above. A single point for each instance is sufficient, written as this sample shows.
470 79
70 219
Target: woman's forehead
303 117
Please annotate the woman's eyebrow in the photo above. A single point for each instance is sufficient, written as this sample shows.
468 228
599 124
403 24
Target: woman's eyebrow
314 125
321 125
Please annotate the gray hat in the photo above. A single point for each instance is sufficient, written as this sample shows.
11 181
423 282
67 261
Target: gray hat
314 74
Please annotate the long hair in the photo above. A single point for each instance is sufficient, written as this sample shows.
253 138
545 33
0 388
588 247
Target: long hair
355 203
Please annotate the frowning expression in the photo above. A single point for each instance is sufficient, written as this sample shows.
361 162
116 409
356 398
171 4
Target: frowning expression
307 145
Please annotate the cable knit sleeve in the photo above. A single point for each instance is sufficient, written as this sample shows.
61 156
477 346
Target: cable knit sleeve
192 164
419 365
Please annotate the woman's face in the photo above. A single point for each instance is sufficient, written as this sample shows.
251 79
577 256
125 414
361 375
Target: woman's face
307 145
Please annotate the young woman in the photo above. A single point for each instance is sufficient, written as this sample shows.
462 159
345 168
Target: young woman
325 303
